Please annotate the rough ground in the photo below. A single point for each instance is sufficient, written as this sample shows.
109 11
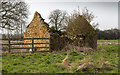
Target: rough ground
103 60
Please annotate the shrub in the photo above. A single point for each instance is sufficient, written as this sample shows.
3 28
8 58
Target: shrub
62 68
47 62
43 54
64 53
4 72
74 53
23 56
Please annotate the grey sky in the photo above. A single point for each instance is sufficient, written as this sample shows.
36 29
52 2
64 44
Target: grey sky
106 12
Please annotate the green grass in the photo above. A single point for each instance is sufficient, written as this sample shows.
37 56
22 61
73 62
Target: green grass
37 62
48 63
110 54
107 40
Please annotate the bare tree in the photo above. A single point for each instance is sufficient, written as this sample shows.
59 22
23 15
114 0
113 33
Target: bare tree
78 22
57 19
81 31
13 14
89 16
78 25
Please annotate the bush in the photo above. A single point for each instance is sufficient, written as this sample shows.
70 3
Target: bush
47 62
74 53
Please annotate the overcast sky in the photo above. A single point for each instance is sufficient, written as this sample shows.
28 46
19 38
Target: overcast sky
106 11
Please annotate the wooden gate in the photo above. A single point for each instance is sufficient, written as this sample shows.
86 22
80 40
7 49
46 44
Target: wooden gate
12 44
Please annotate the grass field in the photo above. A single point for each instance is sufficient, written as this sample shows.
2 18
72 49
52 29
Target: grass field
104 60
108 40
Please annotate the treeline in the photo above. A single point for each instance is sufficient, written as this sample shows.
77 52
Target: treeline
111 34
15 13
13 36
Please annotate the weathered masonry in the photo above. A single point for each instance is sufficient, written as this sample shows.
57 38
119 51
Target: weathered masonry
40 29
37 29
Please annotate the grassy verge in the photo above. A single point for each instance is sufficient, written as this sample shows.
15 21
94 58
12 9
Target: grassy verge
50 63
107 40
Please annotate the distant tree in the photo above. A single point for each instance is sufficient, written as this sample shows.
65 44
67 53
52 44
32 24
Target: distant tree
13 14
110 34
57 19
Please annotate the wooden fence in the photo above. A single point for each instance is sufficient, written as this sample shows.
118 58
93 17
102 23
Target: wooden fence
9 44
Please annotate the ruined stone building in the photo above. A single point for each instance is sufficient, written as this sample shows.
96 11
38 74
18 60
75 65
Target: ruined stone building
37 29
40 29
88 33
84 34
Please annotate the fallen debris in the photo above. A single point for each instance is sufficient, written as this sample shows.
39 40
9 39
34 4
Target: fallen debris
65 60
83 66
109 64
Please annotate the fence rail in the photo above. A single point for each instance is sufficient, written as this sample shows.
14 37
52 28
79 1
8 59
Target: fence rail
10 44
25 39
24 43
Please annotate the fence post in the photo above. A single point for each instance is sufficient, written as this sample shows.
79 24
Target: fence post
49 45
9 44
33 44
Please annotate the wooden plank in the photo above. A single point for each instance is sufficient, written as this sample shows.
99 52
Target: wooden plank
41 43
36 38
5 48
27 47
3 39
41 47
4 44
21 44
13 39
25 43
26 39
21 48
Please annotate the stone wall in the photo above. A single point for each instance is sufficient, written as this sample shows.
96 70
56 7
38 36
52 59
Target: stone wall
37 29
58 42
40 29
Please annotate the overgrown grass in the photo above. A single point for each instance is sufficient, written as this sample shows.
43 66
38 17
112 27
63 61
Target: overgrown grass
48 63
37 62
110 54
107 40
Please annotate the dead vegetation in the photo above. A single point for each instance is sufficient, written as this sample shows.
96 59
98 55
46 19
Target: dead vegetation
71 47
86 63
107 43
